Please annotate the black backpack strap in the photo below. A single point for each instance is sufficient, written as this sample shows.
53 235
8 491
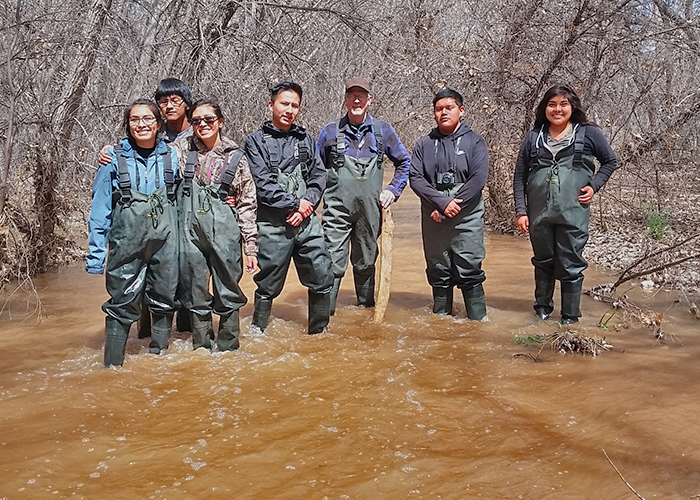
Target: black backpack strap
168 173
302 153
227 177
339 155
190 166
578 147
378 138
534 150
274 155
123 175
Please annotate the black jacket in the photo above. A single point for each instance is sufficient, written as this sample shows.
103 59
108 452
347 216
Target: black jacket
464 152
270 193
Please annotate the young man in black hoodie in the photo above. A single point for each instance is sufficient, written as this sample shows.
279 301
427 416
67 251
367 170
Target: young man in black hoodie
449 167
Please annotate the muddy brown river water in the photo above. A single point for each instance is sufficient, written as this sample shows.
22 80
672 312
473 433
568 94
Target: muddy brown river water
418 407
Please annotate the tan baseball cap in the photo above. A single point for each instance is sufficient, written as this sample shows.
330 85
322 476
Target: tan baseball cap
357 81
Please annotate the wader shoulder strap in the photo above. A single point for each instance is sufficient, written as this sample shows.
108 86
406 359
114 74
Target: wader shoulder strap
190 165
378 138
123 175
534 149
339 155
168 173
274 155
302 153
227 178
578 147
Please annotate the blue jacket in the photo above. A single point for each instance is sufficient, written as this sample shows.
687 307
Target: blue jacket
362 144
141 170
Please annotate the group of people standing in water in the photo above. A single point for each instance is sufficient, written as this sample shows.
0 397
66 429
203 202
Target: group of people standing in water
176 204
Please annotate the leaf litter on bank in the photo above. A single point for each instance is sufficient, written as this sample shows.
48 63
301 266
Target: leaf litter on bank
564 341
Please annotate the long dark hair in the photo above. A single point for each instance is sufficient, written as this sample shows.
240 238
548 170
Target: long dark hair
150 105
577 113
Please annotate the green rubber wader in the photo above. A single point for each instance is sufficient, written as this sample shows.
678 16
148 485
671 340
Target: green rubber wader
280 242
558 226
442 300
454 248
210 245
558 221
143 248
116 334
352 220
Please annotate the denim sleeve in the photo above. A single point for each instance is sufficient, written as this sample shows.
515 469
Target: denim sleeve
100 219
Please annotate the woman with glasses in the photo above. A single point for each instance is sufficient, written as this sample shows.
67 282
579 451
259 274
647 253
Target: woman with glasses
133 214
554 182
217 208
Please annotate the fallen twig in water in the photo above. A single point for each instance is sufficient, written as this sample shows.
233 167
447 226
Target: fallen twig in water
622 477
630 311
564 341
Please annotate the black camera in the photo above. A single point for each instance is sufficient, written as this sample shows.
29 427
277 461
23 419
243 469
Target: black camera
445 178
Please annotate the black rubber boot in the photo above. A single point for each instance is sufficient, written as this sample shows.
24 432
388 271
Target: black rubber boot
571 301
183 320
475 302
364 288
116 334
319 311
544 291
261 315
334 294
202 331
442 300
144 323
160 332
229 330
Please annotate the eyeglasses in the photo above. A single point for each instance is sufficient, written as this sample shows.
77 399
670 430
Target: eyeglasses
174 100
146 120
205 119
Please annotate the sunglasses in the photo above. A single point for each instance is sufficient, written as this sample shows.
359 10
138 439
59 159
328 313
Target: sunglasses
207 119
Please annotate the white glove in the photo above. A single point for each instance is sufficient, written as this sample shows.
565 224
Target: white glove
386 198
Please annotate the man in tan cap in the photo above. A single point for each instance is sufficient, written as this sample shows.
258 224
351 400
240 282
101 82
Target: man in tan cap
352 149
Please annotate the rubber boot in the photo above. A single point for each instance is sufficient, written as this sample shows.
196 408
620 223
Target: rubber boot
475 302
319 311
144 323
183 320
442 300
202 330
334 294
571 301
544 291
229 330
160 332
261 315
116 334
364 288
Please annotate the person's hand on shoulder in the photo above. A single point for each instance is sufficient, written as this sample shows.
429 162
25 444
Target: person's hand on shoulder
103 157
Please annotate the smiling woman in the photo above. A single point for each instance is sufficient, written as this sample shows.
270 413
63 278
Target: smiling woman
140 230
555 179
217 205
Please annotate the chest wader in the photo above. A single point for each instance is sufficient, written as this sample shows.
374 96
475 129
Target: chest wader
210 245
454 250
558 225
142 249
352 215
280 242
